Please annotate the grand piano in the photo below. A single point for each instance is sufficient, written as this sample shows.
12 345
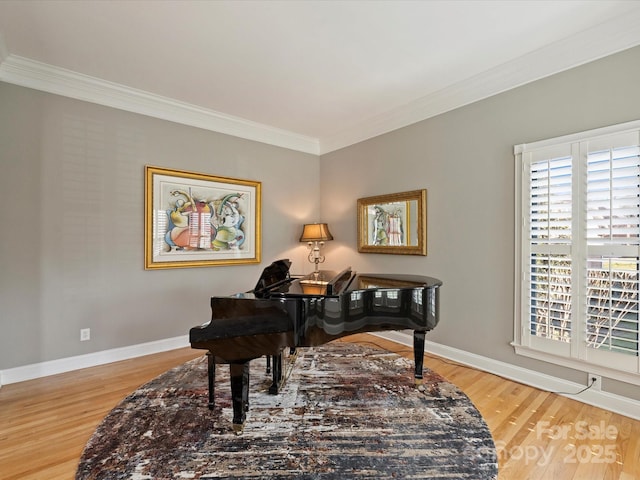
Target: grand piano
283 313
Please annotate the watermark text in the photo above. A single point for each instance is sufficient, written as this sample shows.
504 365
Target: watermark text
597 444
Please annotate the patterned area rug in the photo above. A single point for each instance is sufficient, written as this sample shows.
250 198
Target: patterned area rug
346 412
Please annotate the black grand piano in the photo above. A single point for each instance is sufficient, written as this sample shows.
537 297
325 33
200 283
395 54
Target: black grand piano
283 313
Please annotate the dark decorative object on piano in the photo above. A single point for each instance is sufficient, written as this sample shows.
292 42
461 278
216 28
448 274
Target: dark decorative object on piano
282 314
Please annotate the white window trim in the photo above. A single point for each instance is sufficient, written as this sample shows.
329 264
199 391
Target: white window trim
522 201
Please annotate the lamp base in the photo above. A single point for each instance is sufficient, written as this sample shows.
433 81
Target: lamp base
314 254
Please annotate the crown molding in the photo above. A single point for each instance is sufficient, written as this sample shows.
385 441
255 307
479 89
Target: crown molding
48 78
600 41
597 42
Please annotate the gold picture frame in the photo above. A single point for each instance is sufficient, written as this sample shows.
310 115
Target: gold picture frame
395 223
200 220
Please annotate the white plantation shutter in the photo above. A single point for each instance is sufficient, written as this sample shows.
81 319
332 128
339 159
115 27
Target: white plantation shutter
612 305
550 194
612 197
578 247
613 241
551 296
550 222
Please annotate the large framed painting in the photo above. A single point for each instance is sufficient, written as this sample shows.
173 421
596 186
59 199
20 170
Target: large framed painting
199 220
394 223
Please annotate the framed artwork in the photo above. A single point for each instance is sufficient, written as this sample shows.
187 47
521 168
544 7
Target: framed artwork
394 223
199 220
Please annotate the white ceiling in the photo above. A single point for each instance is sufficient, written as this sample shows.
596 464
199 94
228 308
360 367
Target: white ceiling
324 73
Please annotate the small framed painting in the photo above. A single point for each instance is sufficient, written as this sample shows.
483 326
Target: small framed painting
199 220
394 223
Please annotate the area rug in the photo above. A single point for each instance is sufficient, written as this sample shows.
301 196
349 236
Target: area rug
346 412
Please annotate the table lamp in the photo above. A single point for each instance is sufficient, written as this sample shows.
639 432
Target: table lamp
315 234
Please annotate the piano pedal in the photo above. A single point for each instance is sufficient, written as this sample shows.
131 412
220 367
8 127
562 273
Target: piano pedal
237 428
293 355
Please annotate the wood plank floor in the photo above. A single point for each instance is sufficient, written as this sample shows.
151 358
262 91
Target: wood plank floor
45 423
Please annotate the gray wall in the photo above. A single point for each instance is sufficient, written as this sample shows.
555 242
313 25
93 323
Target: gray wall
71 236
465 160
71 242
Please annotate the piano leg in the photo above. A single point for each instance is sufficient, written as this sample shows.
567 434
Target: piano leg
418 353
268 363
277 374
239 393
211 371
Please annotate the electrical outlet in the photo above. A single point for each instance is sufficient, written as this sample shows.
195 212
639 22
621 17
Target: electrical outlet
595 381
85 334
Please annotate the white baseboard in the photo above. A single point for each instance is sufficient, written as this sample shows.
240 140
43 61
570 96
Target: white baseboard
53 367
606 400
609 401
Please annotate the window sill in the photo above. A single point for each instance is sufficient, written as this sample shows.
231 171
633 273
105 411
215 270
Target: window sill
579 365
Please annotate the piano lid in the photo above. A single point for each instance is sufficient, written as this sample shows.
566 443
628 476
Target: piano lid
324 283
274 274
330 283
366 281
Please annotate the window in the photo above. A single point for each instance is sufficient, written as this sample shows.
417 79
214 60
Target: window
578 251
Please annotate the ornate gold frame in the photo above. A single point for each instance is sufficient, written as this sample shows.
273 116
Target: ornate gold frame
409 212
183 214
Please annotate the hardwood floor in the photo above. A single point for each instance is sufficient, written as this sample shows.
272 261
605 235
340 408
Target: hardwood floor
45 423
